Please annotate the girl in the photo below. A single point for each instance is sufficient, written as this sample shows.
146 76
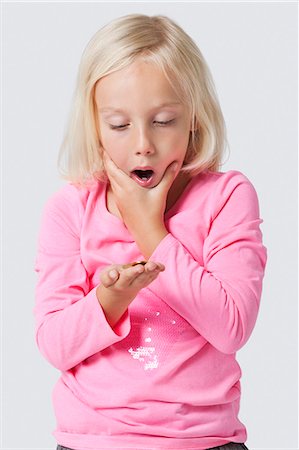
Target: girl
150 260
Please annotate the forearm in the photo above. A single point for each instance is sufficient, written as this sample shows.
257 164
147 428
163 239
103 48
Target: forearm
76 332
220 303
148 236
150 241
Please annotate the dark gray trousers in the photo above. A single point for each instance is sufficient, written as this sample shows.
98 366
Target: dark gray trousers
231 446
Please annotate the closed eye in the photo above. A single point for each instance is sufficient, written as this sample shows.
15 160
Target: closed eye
119 127
163 123
160 123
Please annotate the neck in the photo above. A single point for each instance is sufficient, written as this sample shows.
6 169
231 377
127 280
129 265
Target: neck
177 189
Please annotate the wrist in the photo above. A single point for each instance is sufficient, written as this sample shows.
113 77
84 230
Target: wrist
149 239
114 304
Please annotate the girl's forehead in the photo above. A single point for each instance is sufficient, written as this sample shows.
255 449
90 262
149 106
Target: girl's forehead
139 73
140 81
116 109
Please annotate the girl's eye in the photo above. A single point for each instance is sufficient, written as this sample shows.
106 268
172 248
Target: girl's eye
160 123
119 127
163 123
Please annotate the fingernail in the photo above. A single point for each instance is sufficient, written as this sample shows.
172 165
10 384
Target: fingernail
113 273
174 167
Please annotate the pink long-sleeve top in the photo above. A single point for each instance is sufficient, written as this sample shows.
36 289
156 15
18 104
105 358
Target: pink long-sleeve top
166 377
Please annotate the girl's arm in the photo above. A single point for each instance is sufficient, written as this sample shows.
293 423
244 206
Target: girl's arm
73 322
219 298
70 323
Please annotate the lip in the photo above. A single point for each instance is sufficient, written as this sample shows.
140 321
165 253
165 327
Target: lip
143 168
143 183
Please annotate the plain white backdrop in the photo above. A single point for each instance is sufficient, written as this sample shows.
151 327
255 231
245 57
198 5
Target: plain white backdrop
251 49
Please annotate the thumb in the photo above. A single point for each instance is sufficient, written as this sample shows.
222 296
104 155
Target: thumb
169 176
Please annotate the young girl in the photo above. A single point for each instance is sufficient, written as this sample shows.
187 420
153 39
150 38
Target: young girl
150 260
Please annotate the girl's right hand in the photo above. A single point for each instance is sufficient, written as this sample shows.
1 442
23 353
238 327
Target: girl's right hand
142 210
119 286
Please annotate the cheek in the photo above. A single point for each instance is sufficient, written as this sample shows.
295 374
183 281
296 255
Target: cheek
116 150
108 143
105 137
180 146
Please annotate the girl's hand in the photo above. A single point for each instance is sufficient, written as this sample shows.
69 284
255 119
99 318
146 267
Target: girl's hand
119 286
130 278
141 209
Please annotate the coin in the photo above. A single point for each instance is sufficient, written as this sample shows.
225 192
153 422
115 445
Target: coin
126 266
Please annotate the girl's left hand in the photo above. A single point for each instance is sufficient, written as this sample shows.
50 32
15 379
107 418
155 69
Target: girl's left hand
141 209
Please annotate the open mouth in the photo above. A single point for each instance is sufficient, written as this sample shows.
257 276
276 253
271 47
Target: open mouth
144 175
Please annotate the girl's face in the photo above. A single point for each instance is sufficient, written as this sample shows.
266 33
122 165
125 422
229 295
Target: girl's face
143 124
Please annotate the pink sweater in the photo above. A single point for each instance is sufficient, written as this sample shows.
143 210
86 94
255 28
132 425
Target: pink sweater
167 376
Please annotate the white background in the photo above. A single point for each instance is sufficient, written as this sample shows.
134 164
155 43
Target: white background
251 49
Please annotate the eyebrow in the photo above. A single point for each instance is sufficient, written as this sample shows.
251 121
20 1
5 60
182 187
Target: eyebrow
119 110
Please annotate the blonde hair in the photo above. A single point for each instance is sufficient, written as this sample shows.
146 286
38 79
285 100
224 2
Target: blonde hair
160 40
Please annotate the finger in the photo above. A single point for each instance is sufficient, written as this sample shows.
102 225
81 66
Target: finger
151 266
128 275
110 166
145 279
161 267
151 271
114 172
168 177
109 276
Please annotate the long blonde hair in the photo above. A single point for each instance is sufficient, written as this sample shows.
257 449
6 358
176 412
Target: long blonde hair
160 40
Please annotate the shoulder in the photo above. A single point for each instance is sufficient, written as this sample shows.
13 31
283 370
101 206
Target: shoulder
220 188
68 194
224 180
71 194
68 204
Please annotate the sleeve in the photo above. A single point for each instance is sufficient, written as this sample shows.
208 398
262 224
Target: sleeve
70 323
220 298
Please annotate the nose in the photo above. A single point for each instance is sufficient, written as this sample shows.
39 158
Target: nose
144 145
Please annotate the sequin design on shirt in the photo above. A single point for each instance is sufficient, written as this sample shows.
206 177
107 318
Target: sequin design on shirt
155 328
146 356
